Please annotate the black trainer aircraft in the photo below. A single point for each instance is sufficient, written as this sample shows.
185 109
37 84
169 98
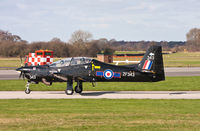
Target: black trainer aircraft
83 69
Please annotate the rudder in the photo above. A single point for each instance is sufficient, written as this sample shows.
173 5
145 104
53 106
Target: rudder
153 62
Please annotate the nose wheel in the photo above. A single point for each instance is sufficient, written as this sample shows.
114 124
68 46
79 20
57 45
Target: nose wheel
27 91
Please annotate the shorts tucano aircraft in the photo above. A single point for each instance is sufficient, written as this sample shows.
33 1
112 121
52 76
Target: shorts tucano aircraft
83 69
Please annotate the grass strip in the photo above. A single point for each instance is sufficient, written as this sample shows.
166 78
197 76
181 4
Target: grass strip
101 114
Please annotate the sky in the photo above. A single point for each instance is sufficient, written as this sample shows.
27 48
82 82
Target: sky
128 20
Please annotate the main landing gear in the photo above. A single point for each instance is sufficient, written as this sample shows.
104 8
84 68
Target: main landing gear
78 87
69 90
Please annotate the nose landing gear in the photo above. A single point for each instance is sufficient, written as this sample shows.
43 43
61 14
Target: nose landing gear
28 91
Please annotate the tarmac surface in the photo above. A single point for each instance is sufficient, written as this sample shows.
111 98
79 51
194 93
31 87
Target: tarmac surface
182 71
174 71
9 75
101 95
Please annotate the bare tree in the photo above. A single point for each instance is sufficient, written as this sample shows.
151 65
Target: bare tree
80 36
6 36
55 39
193 39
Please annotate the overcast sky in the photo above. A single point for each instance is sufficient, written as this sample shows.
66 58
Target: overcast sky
129 20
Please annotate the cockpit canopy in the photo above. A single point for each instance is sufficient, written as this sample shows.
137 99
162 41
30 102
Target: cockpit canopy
71 61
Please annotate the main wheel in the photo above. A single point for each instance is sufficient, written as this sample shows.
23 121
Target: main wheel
69 92
78 89
27 91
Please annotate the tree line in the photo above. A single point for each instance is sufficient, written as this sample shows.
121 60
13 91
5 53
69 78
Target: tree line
82 44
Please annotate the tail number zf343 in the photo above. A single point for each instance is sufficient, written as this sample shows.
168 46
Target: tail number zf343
129 74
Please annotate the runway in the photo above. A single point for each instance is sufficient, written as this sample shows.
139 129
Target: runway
9 75
182 71
102 95
174 71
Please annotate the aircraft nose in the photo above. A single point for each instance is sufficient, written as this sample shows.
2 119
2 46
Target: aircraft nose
19 69
23 69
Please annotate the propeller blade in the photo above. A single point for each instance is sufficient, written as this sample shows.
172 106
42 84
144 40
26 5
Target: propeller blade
21 61
23 76
20 75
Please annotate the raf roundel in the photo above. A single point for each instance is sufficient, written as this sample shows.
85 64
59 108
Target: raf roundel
108 74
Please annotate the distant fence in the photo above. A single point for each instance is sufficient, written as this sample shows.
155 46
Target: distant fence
127 58
126 61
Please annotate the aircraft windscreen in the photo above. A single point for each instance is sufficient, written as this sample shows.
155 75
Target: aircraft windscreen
79 60
63 62
71 61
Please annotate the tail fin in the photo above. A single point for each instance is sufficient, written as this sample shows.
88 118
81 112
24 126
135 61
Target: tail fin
153 61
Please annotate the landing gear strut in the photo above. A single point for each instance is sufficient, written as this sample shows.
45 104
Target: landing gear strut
28 91
79 87
69 90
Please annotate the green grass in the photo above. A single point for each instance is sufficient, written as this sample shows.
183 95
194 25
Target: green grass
182 59
170 84
10 62
102 114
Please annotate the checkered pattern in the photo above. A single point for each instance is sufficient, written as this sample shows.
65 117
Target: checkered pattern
38 60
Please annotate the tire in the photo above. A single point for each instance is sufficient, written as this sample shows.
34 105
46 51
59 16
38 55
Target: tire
27 91
78 89
69 92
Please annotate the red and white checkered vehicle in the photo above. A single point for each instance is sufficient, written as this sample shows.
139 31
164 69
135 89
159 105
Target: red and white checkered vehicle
40 57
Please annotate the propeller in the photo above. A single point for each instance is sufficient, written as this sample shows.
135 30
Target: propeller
22 74
21 61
